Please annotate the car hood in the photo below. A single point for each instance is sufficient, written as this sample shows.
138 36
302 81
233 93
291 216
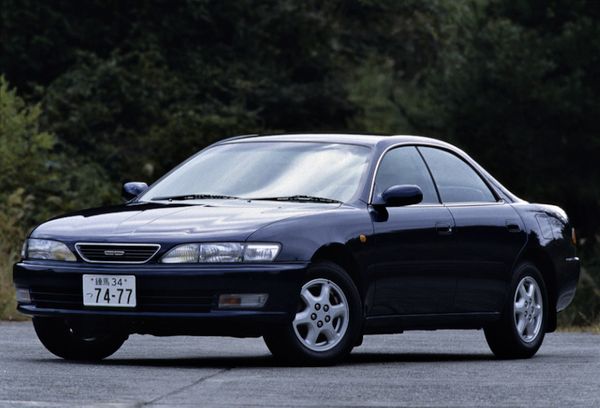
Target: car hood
146 222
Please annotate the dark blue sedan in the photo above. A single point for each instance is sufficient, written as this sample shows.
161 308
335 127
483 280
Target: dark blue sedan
311 241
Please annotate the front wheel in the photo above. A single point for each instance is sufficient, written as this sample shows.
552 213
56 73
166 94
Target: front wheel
327 322
521 330
65 341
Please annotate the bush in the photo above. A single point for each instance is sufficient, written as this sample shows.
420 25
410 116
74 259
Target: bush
12 215
24 157
585 310
39 179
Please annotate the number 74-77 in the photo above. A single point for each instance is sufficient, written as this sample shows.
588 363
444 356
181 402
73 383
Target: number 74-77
107 296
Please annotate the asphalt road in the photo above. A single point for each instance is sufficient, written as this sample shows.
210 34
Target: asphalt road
444 368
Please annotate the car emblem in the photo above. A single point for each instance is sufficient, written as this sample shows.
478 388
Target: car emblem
114 252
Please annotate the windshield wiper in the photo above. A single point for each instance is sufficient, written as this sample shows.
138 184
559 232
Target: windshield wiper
195 197
299 197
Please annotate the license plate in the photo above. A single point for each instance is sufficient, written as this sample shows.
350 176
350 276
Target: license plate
109 290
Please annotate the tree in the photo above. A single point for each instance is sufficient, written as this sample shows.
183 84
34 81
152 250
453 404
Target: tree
518 86
37 181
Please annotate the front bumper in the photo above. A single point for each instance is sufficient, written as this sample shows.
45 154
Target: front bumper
171 299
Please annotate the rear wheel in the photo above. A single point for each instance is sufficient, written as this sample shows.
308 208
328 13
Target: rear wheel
327 323
65 341
521 330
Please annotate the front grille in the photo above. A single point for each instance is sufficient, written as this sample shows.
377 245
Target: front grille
147 301
117 253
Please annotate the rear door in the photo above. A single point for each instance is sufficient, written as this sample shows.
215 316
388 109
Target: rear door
410 249
488 233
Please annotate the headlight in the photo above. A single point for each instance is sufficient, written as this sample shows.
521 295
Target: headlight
222 252
47 249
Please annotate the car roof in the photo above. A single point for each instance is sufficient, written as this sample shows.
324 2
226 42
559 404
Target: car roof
380 142
359 139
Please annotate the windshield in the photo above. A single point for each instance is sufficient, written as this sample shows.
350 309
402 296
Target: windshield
267 170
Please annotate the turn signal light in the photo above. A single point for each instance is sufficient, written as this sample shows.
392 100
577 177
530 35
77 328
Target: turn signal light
23 296
243 301
573 236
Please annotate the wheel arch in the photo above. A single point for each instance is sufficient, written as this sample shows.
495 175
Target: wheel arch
342 256
544 263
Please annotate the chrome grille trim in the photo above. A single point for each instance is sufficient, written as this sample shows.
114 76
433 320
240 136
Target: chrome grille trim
152 250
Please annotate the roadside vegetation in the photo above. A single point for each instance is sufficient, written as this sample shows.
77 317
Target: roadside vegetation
108 92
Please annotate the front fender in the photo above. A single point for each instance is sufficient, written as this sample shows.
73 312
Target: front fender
301 237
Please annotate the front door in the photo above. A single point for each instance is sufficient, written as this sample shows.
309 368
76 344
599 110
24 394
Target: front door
410 247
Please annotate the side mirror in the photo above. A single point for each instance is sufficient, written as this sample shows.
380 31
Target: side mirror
399 195
133 189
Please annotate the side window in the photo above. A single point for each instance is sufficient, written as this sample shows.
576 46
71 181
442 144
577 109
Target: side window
404 165
456 181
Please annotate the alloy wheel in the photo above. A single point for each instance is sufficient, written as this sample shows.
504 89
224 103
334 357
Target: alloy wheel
528 309
322 319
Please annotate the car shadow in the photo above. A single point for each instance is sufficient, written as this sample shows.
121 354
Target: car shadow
267 361
368 358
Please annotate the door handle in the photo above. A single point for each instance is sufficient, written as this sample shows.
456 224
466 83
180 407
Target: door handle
513 226
443 228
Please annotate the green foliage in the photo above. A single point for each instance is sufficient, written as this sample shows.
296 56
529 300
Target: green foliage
37 181
24 149
12 216
24 155
585 310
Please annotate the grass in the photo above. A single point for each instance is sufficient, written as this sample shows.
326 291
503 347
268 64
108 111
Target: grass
595 329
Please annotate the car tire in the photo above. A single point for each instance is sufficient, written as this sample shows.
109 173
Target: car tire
61 340
328 322
520 331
